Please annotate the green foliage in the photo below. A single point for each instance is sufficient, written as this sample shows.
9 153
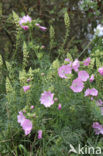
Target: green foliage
25 55
52 37
67 27
70 125
16 18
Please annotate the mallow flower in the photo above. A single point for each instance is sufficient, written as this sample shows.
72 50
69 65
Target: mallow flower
27 126
32 107
21 118
64 70
67 60
100 70
92 92
77 85
24 20
39 134
98 128
26 88
41 27
28 80
59 107
83 75
86 62
47 98
75 65
91 78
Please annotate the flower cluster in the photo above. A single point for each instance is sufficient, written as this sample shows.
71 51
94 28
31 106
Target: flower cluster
26 124
78 84
83 76
67 69
92 92
25 20
64 70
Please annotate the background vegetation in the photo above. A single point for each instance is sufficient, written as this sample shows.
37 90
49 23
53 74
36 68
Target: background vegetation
70 32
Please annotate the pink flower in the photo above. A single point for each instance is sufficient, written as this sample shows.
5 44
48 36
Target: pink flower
91 78
83 75
24 20
28 80
21 118
77 85
67 60
59 107
63 70
75 65
40 134
87 61
37 24
87 92
47 99
27 126
97 128
92 98
100 70
26 88
99 102
92 92
43 28
32 107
